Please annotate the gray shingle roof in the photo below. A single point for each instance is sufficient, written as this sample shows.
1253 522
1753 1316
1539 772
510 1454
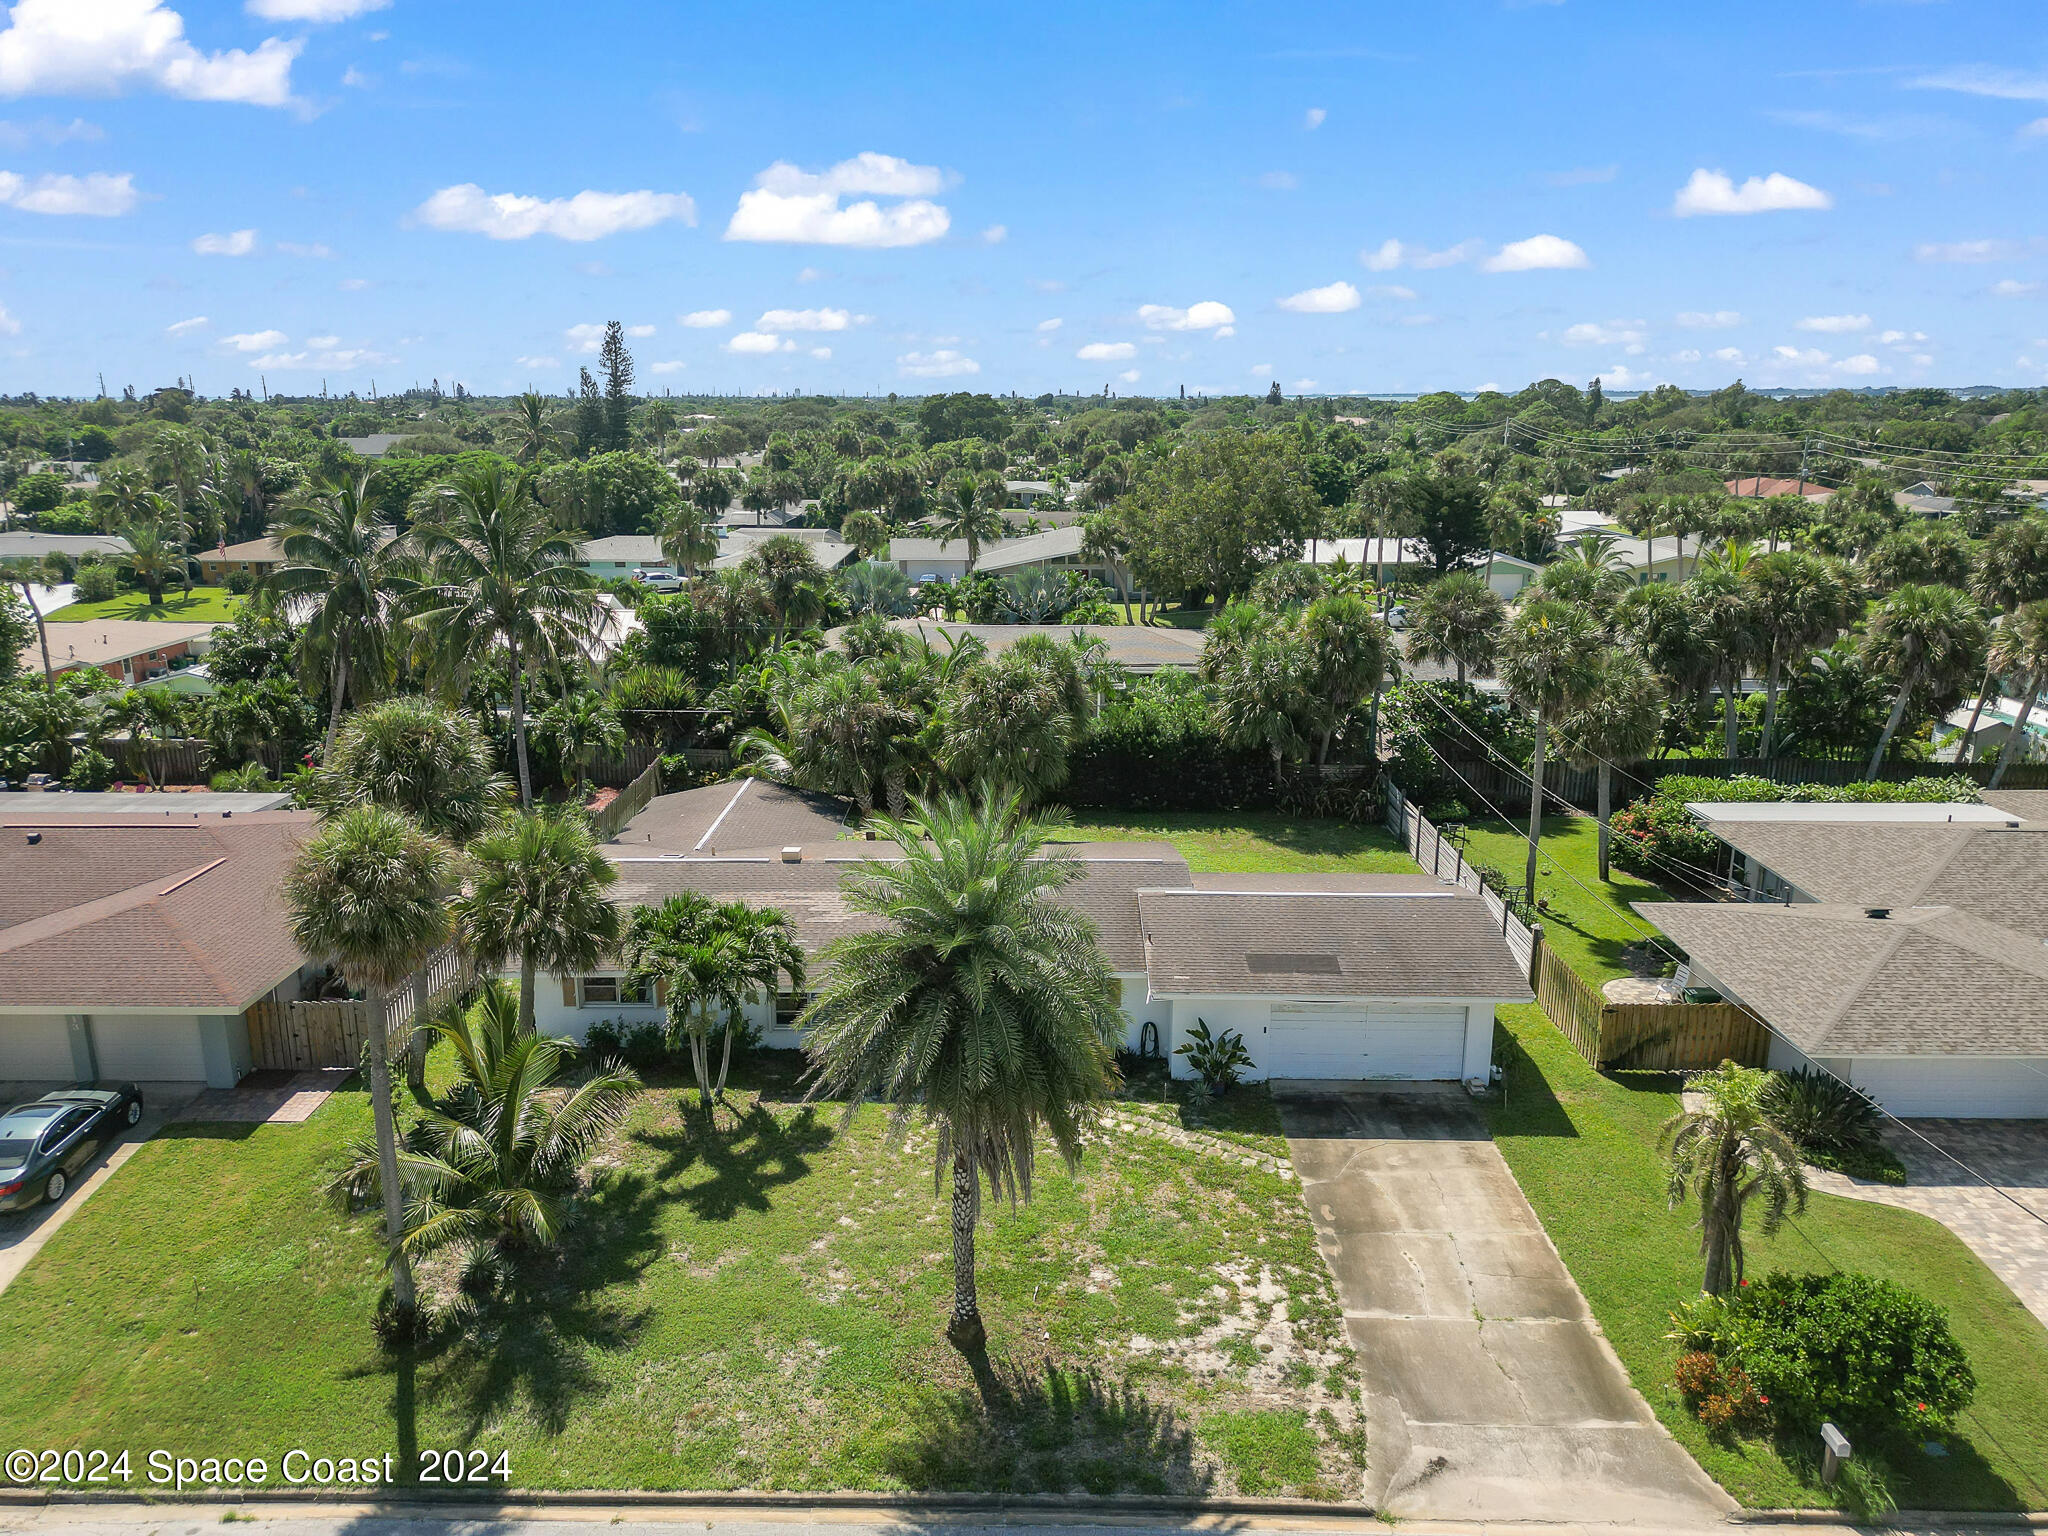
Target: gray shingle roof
1398 942
1141 648
2027 804
1998 873
732 817
1001 555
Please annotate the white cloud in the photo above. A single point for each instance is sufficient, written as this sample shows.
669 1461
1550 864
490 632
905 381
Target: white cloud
1129 376
1715 192
1047 327
1106 352
1985 80
1686 355
1967 252
1279 181
1709 319
312 252
538 362
1610 333
995 234
705 319
1729 354
1834 325
666 367
1392 291
312 10
240 243
821 352
1314 118
46 130
353 284
1303 386
2038 128
1260 370
355 80
807 320
469 209
255 341
1538 253
349 358
102 47
323 342
640 331
1809 357
1621 376
9 326
2012 288
96 195
1330 299
584 338
186 327
759 342
792 206
1390 254
1861 364
945 363
1208 315
1922 360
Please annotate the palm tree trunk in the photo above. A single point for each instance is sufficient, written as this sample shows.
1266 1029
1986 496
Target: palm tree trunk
43 637
1604 777
417 1044
965 1329
519 733
725 1057
403 1296
1731 736
1770 705
700 1063
1969 747
1891 726
1535 810
337 685
527 980
2016 739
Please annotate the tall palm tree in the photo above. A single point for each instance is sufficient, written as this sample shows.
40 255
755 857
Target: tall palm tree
1259 669
1618 721
370 893
1931 639
1725 1154
1801 602
688 538
1003 723
28 574
982 1003
1549 659
179 459
339 556
155 555
837 732
533 427
537 895
1457 619
1725 610
866 532
1349 654
965 515
150 713
495 1157
2011 570
503 581
2020 649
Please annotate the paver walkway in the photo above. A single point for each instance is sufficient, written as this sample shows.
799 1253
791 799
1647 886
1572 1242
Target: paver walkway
1490 1392
273 1097
2013 1154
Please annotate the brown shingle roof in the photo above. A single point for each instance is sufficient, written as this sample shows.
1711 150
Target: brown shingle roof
1253 941
1835 981
141 914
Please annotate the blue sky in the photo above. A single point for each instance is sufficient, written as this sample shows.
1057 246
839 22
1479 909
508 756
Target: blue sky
853 199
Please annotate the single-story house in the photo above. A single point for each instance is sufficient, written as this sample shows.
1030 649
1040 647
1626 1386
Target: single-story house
36 546
256 557
128 650
133 946
374 446
616 558
1757 487
1027 493
1906 953
825 545
1409 560
1324 976
1057 550
1046 514
1994 722
1136 648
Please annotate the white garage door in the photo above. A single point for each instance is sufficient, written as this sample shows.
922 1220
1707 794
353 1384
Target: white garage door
149 1050
1996 1088
1347 1041
34 1050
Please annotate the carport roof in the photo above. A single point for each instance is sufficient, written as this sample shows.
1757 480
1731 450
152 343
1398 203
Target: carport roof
1313 941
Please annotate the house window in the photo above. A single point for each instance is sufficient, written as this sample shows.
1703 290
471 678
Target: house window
787 1006
599 991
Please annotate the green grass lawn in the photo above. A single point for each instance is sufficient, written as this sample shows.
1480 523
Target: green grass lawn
757 1307
214 603
1586 920
1242 841
1584 1148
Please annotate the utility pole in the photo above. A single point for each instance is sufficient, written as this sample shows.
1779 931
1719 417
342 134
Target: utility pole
103 383
1805 444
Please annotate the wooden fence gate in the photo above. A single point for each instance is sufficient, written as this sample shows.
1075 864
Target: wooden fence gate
298 1036
1657 1037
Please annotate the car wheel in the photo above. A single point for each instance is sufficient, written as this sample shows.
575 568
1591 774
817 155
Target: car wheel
135 1111
54 1190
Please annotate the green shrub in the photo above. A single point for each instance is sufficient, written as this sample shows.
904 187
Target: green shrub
91 770
1855 1349
97 583
241 583
1820 1112
1685 788
1219 1060
1652 835
250 778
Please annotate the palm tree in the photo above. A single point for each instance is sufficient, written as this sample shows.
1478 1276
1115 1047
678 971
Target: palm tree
179 458
150 713
1587 570
340 556
838 733
1457 619
982 1003
768 955
1618 721
2020 648
688 538
504 581
434 764
866 532
27 574
1725 609
1725 1154
1931 639
1549 658
1003 723
965 515
1259 669
1802 602
1349 654
533 427
537 894
873 587
493 1158
370 892
155 555
580 728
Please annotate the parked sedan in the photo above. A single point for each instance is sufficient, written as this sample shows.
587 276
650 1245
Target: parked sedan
44 1144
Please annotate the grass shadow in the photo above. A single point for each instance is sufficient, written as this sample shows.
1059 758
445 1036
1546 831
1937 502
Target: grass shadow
736 1163
1041 1428
1527 1105
207 1130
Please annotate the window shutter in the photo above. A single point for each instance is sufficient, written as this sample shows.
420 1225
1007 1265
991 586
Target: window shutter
568 991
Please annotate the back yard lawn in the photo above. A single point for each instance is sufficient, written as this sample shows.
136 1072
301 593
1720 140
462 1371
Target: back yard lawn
759 1307
216 603
1584 1148
1244 841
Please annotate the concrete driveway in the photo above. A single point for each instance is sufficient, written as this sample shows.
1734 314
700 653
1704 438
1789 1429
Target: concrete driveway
1490 1392
23 1233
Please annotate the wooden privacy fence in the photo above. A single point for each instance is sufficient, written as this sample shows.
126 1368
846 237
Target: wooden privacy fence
1660 1037
627 804
298 1036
